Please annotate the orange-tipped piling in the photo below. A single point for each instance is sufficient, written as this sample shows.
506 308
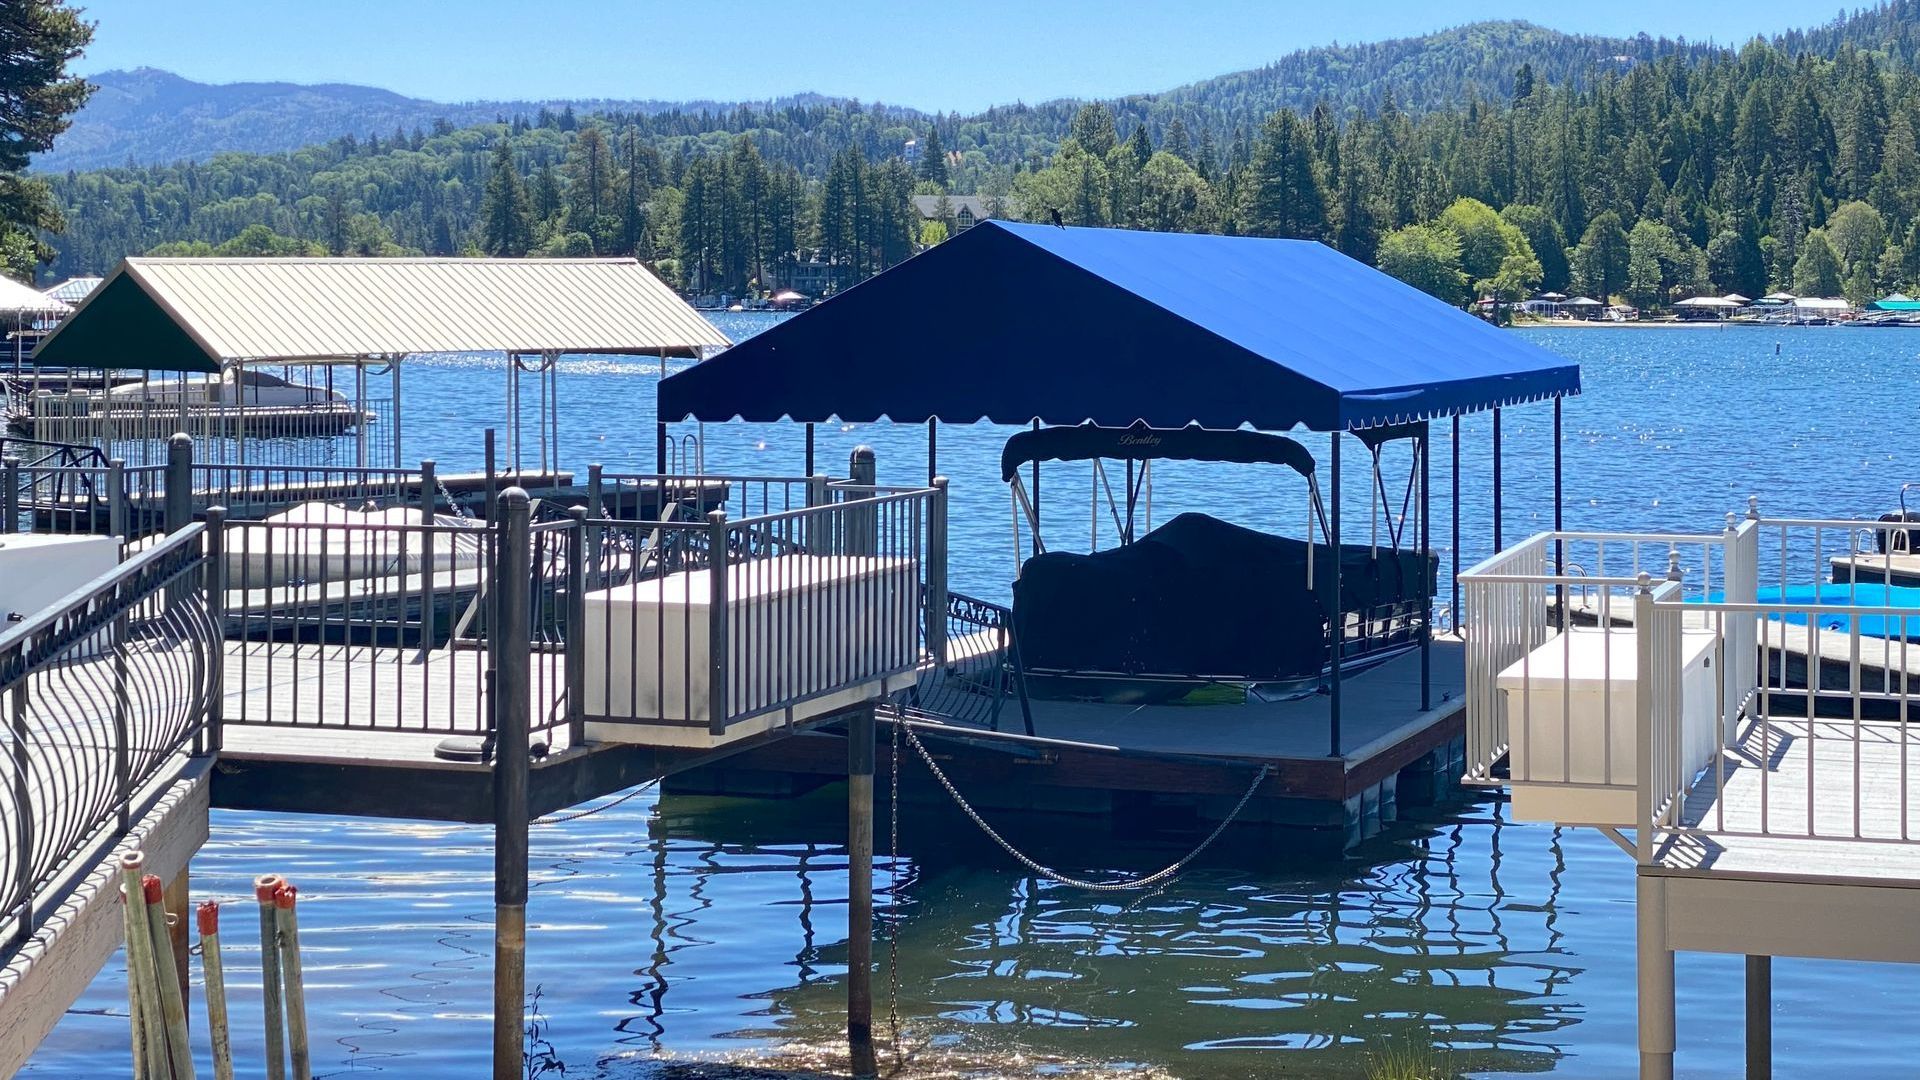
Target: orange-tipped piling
271 983
208 916
296 999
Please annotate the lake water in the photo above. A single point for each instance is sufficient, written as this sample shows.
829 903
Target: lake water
702 928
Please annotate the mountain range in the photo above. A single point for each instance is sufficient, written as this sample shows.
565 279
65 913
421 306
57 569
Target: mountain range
149 116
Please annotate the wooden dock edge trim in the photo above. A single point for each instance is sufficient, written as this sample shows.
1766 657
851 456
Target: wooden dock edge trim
582 774
55 966
408 790
1384 757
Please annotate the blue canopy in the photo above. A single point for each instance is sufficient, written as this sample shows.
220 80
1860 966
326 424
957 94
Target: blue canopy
1013 322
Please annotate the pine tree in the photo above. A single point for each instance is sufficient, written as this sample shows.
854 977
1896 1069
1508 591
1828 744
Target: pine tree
1283 196
933 159
506 210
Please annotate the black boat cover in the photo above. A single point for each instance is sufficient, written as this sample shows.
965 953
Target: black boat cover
1200 597
1083 442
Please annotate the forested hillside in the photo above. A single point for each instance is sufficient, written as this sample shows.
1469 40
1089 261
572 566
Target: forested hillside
150 116
1675 169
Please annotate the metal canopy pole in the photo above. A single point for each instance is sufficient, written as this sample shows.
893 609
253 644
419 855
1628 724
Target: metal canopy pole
933 448
1035 509
808 471
1338 617
1559 524
1453 588
1497 544
1425 446
393 364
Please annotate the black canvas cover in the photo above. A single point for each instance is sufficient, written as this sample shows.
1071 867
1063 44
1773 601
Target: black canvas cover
1200 597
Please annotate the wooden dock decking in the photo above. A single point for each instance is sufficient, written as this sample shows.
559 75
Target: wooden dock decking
1819 800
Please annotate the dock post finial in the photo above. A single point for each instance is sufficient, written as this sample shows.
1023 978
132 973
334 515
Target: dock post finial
1645 581
1673 564
1753 508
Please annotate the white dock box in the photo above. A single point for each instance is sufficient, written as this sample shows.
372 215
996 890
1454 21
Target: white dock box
38 570
798 625
1572 732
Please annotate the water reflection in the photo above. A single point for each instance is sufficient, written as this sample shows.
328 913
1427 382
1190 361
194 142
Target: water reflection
1250 962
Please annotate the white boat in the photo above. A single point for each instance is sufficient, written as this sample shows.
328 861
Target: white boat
318 543
238 387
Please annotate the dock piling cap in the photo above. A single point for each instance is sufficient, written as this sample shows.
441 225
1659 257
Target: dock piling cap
285 896
265 886
208 916
133 860
150 885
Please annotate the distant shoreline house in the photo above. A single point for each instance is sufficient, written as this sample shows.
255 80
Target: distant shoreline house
962 212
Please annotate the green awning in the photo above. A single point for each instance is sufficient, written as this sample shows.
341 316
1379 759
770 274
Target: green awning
1895 305
121 325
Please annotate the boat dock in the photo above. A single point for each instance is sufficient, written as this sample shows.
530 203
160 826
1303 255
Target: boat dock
1170 762
1739 725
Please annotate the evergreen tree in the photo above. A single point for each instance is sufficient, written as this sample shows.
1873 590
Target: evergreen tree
933 159
1283 195
38 98
506 210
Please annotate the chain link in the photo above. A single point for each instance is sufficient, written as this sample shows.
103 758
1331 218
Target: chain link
1163 874
458 508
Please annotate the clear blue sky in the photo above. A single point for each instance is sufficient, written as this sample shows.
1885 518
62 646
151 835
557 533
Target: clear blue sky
934 56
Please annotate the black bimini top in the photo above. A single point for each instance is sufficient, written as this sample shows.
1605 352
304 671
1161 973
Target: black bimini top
1085 442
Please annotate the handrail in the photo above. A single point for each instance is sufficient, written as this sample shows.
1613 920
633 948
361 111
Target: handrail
189 537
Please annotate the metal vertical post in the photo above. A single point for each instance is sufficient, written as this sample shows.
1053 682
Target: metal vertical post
179 504
393 408
717 611
860 890
510 768
23 803
117 499
1336 618
1426 583
215 581
597 510
1454 589
1498 543
937 571
933 449
492 496
1559 521
11 469
429 502
1759 1018
660 448
863 528
808 471
1655 978
576 630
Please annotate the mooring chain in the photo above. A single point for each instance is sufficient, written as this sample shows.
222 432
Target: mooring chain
893 903
458 509
1148 881
592 810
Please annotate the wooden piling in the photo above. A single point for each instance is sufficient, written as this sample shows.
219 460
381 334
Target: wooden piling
264 888
510 780
175 899
286 919
860 891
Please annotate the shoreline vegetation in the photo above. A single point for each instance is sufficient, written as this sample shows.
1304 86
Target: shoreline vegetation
1791 162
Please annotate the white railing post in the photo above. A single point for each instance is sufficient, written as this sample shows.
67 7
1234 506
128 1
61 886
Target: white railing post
1644 735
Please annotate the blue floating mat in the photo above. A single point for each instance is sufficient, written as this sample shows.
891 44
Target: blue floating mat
1844 595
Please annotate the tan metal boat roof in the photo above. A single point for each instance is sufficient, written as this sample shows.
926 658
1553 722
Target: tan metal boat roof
203 314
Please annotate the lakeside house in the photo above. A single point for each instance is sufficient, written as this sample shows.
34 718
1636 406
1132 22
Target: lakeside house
961 212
